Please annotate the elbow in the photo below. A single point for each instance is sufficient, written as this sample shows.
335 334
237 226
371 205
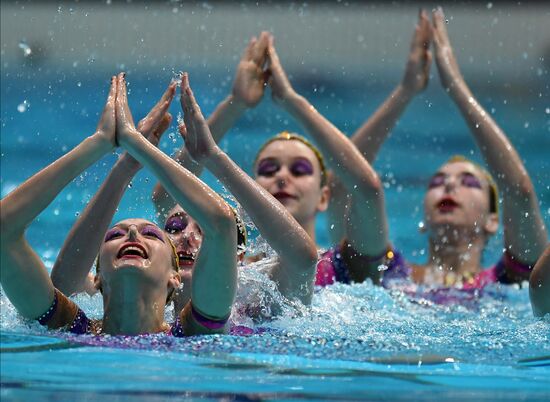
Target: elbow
225 223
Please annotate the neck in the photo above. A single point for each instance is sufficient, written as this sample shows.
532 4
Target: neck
458 253
133 309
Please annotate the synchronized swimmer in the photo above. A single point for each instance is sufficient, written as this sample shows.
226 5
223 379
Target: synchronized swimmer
140 268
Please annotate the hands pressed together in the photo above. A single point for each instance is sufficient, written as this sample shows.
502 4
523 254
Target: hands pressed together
417 70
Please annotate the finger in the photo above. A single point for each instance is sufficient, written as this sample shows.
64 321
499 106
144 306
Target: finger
272 55
119 109
247 54
192 104
154 118
161 128
169 94
440 26
164 124
427 63
260 48
182 130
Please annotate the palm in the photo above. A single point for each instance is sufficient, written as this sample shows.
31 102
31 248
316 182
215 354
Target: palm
249 83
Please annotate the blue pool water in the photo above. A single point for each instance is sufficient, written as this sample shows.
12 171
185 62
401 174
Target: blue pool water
356 341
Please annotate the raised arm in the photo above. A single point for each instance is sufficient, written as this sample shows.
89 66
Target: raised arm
366 227
215 273
247 92
24 277
524 234
370 137
70 270
297 252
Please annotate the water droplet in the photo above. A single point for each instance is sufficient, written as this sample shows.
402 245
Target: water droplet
489 5
56 212
22 107
79 84
27 51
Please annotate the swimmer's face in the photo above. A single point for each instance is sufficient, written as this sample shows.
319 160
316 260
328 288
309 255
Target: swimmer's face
186 235
290 171
458 197
136 247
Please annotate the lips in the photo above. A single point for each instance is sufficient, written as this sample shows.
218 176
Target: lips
186 260
132 250
283 196
446 205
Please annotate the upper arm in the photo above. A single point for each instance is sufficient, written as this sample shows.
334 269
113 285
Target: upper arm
25 278
539 285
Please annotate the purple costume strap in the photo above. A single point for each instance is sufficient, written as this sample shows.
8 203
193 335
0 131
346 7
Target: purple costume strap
57 316
208 322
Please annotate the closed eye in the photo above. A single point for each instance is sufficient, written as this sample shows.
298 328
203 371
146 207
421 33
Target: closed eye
437 180
301 168
267 168
151 231
113 234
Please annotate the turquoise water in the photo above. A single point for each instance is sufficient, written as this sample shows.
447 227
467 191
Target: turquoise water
355 341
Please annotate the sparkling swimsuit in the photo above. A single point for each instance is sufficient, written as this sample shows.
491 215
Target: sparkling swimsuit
64 313
332 268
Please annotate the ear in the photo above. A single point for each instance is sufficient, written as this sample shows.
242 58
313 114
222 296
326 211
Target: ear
324 199
491 224
174 281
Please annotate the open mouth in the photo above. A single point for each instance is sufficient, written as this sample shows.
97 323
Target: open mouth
132 250
185 259
447 205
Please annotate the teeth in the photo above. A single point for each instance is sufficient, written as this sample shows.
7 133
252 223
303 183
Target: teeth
130 249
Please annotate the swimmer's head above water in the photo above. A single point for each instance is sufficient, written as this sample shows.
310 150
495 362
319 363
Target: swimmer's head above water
293 170
137 248
461 195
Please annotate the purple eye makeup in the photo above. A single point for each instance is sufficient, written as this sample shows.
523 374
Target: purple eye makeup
469 180
175 224
267 167
113 234
152 231
301 167
437 180
466 180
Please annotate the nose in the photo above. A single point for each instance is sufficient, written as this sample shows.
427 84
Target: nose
132 232
450 183
282 177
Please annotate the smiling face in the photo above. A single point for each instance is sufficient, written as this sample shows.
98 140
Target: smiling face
186 235
458 197
136 246
290 171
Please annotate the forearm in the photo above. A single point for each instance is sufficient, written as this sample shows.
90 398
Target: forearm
220 121
19 208
81 246
370 137
524 230
344 159
199 200
275 223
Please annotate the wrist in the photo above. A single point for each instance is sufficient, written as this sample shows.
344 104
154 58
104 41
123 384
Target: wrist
236 104
128 163
99 140
403 93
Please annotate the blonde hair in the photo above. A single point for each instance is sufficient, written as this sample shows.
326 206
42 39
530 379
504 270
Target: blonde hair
493 189
286 136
